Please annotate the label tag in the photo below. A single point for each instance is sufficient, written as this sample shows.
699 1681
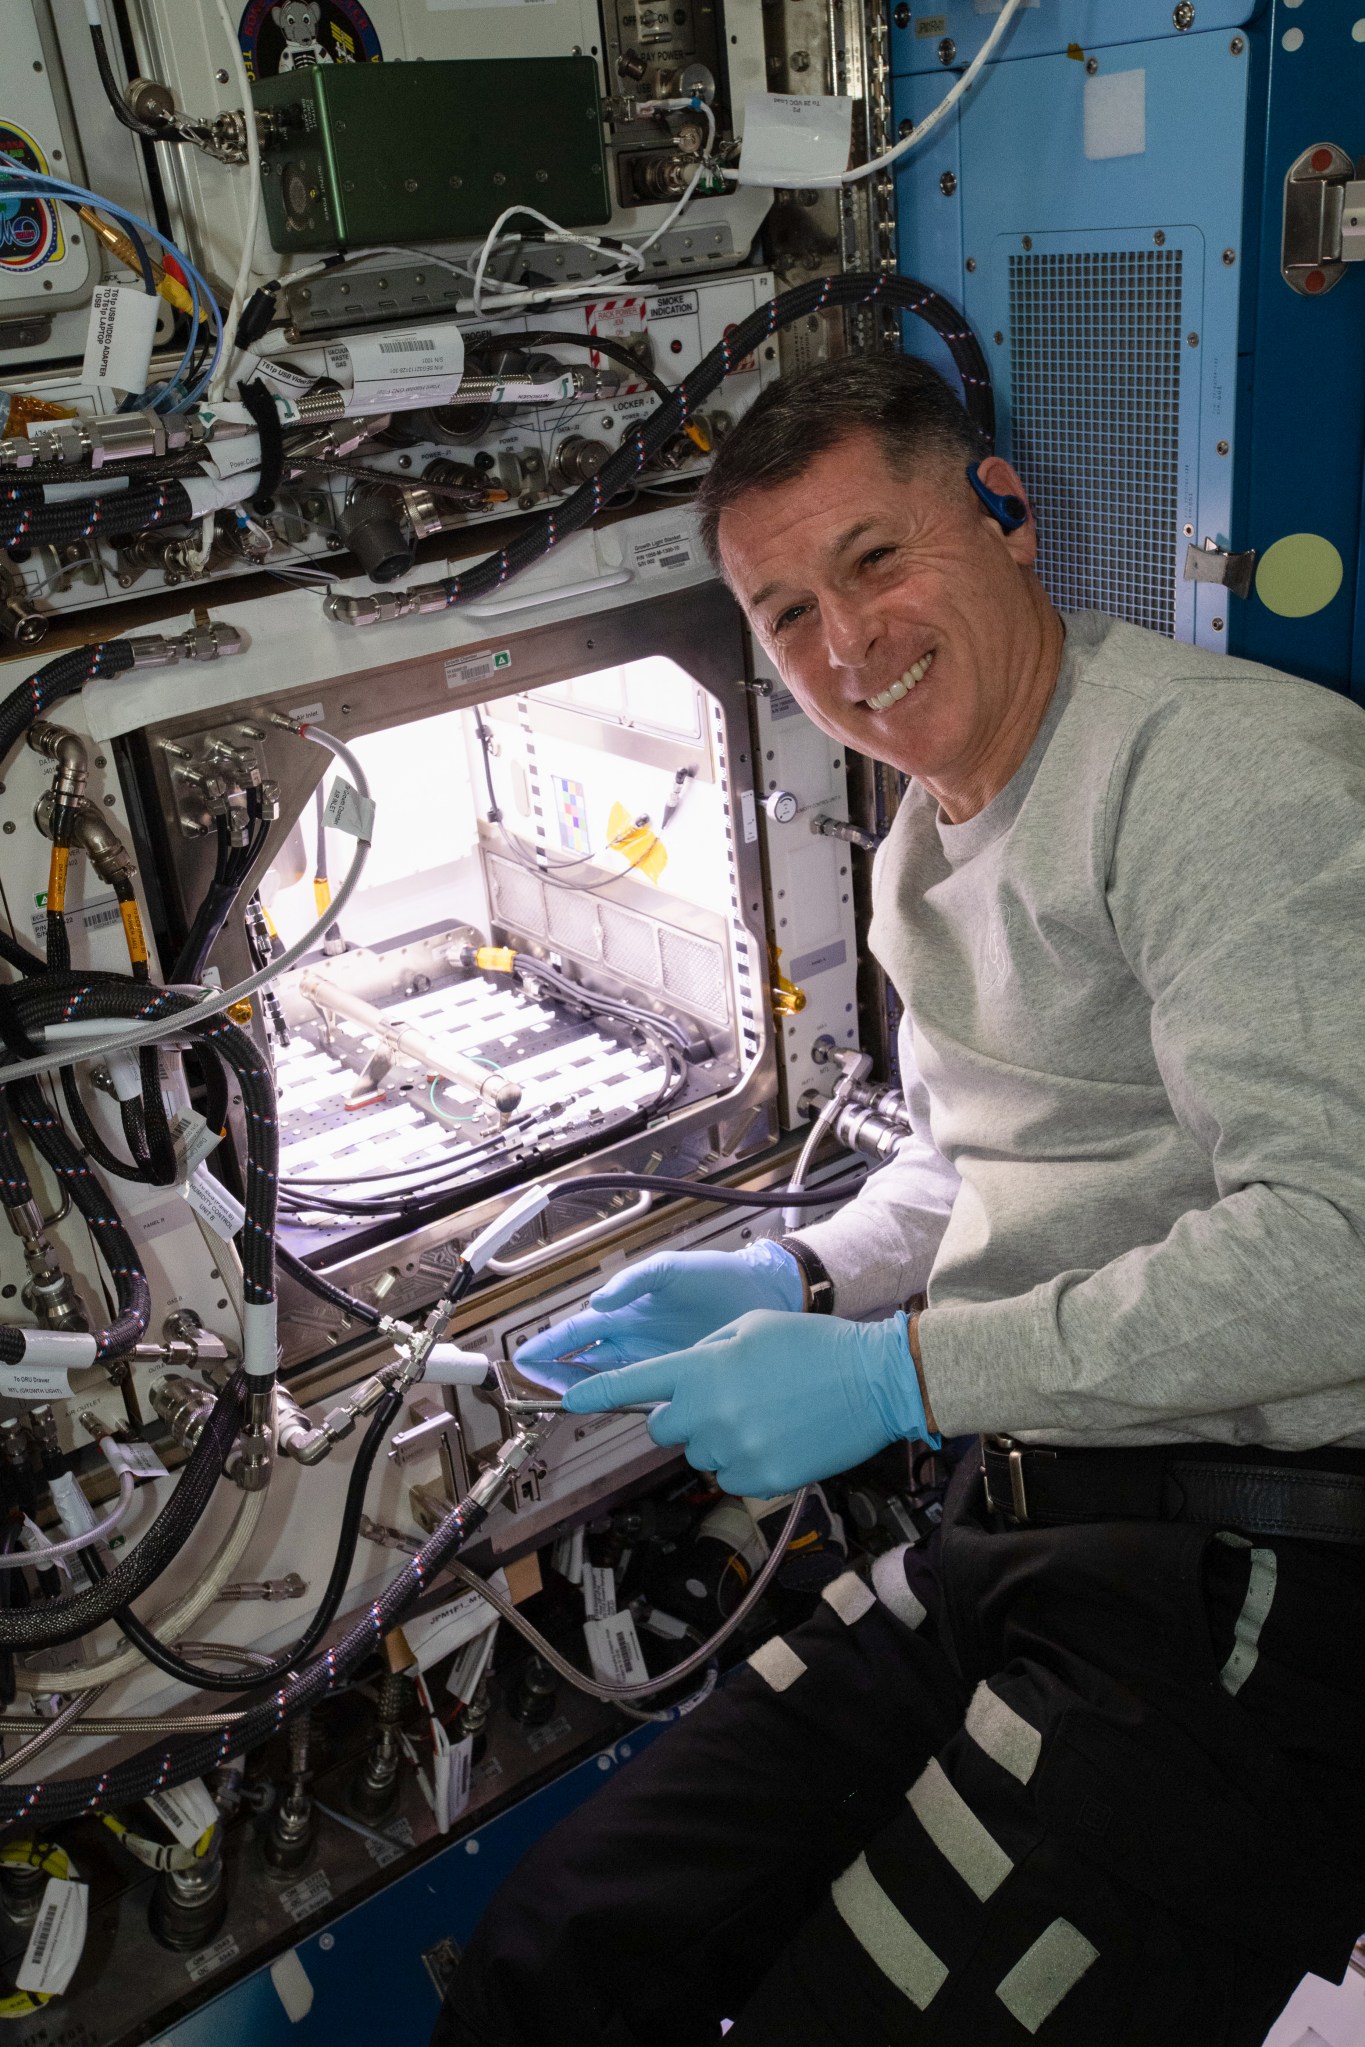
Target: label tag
54 1946
307 1896
465 668
409 368
672 305
118 342
794 138
35 1382
567 1555
307 714
215 493
212 1203
430 1636
212 1958
470 1664
96 915
191 1140
460 1759
661 556
348 811
748 812
187 1809
224 453
614 1649
599 1591
139 1458
279 377
74 1511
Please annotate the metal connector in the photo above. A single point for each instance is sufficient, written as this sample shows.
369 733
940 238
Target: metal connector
205 640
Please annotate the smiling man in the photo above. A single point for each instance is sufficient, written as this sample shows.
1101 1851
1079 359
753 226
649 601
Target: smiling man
1095 1776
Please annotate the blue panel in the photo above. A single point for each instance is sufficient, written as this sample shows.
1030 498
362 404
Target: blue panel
1027 186
1300 447
1042 27
366 1971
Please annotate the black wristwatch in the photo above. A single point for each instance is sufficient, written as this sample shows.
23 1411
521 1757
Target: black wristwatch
819 1285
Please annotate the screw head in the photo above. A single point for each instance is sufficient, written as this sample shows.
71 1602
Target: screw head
998 338
1092 65
1218 625
1193 340
1229 257
1160 238
221 75
1182 15
8 827
947 50
971 262
1027 242
905 129
1223 447
947 184
1237 45
901 17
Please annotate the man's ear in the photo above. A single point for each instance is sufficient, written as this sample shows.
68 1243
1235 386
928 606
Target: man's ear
1004 501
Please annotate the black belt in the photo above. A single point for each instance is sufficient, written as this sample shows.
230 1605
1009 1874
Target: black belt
1318 1495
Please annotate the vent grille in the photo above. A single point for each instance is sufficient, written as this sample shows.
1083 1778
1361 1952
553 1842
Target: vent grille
693 971
518 897
1096 341
628 945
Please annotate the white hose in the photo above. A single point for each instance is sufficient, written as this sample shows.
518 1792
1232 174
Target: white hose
53 1551
218 1000
931 120
253 215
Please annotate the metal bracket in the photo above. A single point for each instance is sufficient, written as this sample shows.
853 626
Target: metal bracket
1324 219
1214 564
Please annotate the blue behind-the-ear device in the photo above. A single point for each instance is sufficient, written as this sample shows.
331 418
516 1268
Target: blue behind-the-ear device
1008 512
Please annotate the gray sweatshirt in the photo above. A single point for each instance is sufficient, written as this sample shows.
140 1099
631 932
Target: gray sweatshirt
1134 1055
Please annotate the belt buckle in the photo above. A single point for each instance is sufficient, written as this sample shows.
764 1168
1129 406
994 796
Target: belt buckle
1017 1506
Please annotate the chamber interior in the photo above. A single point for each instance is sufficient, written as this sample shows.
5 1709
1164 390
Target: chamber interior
542 955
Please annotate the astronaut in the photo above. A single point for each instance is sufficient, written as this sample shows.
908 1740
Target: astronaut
1092 1773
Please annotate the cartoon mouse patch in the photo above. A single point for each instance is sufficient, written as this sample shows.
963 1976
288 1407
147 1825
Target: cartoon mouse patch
297 35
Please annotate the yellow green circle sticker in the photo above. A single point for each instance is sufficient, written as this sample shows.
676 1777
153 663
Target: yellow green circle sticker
1298 575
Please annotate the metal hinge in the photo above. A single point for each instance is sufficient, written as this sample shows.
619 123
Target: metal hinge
1214 564
1324 219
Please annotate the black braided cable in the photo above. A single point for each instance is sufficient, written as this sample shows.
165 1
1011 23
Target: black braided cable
58 678
193 1756
49 1622
65 998
118 512
656 429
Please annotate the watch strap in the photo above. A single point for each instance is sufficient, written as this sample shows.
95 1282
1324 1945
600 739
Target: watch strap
819 1285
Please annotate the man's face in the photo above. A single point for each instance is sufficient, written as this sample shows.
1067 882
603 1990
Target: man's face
898 613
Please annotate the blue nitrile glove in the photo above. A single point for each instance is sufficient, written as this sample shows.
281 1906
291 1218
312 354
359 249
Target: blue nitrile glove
773 1401
662 1304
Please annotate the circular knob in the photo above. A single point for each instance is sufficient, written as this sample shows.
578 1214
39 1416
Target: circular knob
781 805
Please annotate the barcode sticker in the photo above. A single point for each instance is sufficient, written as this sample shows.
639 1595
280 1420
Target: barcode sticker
187 1809
54 1946
664 555
348 811
212 1203
599 1591
422 362
614 1648
191 1139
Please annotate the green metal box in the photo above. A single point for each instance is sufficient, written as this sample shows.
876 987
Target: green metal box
430 151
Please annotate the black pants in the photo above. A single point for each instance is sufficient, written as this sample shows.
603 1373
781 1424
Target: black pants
1097 1785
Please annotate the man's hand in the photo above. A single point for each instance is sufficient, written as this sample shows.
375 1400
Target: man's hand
773 1401
662 1304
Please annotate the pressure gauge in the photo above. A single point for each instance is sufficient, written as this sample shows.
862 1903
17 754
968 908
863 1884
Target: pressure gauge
781 805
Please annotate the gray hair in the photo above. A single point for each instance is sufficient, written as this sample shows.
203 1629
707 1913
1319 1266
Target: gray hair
907 407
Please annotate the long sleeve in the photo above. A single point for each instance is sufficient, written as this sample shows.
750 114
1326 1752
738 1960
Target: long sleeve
880 1248
1235 881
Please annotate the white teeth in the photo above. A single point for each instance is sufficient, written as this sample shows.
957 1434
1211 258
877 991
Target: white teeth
900 688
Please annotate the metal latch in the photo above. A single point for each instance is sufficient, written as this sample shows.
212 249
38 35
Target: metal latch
1324 219
1214 564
